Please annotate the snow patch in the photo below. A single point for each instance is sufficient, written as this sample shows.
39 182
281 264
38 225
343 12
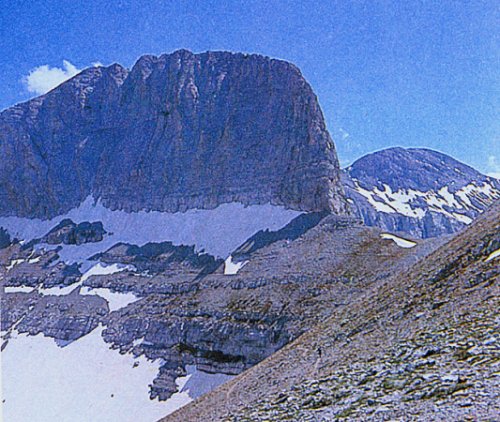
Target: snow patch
369 195
13 263
85 380
217 231
462 218
102 269
197 383
115 300
401 202
403 243
19 289
57 290
449 197
232 268
441 201
137 341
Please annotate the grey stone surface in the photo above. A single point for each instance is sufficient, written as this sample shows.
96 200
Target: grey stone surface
161 258
420 344
47 271
70 233
188 312
413 168
177 131
64 318
4 238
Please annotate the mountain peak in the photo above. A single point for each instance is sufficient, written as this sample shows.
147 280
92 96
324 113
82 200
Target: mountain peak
412 168
419 191
178 131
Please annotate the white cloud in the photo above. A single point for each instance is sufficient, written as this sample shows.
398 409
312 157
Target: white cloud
44 78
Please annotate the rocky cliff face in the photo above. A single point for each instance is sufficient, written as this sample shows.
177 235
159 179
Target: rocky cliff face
177 131
418 191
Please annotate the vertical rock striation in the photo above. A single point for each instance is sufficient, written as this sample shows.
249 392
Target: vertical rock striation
176 132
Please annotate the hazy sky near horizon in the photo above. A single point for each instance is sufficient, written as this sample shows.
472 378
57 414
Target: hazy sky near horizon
407 73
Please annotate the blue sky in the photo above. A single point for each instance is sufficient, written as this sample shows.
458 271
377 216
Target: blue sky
408 73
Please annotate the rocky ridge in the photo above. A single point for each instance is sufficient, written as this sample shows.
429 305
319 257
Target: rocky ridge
69 233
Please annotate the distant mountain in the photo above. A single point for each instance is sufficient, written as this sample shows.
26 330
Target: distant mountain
176 132
418 191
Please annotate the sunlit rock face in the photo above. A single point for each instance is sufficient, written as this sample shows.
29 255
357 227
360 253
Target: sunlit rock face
418 191
176 132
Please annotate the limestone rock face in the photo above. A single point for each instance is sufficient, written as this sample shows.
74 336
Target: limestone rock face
51 146
177 131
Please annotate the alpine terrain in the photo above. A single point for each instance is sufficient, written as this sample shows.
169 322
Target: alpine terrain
422 344
181 232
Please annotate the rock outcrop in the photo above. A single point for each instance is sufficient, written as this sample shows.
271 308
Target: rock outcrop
4 238
176 132
417 191
70 233
64 318
161 258
25 267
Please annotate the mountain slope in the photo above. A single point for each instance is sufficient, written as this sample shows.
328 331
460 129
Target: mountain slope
418 191
176 132
423 344
181 308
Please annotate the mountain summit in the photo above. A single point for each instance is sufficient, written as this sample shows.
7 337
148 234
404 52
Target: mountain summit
418 191
176 132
